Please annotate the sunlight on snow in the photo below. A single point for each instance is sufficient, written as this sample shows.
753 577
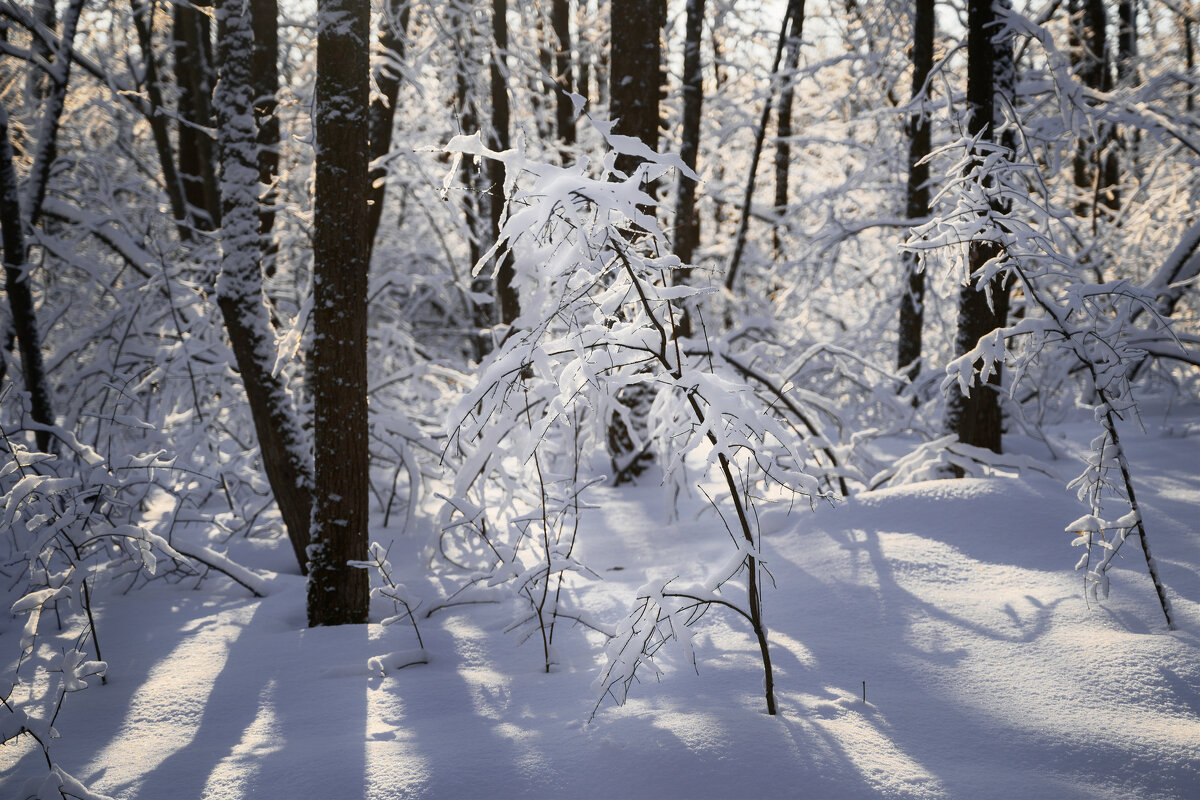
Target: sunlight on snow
260 739
164 715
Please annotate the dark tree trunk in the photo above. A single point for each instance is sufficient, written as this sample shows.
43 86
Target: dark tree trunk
337 592
143 20
466 69
687 221
739 237
506 293
195 77
582 17
46 151
564 118
1096 167
1189 46
393 30
783 118
239 286
36 83
912 301
637 80
17 282
635 87
977 418
1127 42
264 20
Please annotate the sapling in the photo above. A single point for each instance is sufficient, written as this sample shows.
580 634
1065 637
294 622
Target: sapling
598 314
997 197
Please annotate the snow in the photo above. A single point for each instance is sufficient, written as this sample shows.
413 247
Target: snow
987 673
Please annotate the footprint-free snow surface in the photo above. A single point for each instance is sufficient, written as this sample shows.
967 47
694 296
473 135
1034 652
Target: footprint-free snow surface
952 604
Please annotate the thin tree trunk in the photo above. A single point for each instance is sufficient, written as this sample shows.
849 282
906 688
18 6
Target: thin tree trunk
636 88
337 592
47 145
564 122
783 120
195 78
977 418
912 301
506 293
143 20
264 21
239 286
393 32
739 239
17 280
637 80
36 83
687 221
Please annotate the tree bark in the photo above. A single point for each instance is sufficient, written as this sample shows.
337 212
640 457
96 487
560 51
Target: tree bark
239 285
977 418
46 151
195 78
783 119
143 21
912 301
506 294
264 21
564 117
739 238
337 592
635 89
393 30
687 221
637 81
20 294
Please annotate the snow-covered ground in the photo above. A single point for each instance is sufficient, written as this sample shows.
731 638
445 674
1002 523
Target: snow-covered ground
953 603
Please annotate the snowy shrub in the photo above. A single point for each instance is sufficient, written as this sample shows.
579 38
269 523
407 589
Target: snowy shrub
77 522
1096 330
598 315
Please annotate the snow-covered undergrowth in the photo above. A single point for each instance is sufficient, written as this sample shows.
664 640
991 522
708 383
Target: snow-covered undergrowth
987 671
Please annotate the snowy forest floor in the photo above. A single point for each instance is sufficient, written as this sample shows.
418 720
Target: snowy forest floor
987 675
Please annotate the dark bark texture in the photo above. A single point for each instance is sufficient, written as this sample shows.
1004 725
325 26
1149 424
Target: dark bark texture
17 286
239 286
912 302
687 221
977 418
338 593
393 33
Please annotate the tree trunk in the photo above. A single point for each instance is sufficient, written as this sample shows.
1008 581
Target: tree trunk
783 119
17 282
36 83
687 221
637 80
239 286
912 301
46 152
977 418
393 28
635 87
143 21
564 118
739 238
506 293
264 21
337 592
1096 167
195 78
